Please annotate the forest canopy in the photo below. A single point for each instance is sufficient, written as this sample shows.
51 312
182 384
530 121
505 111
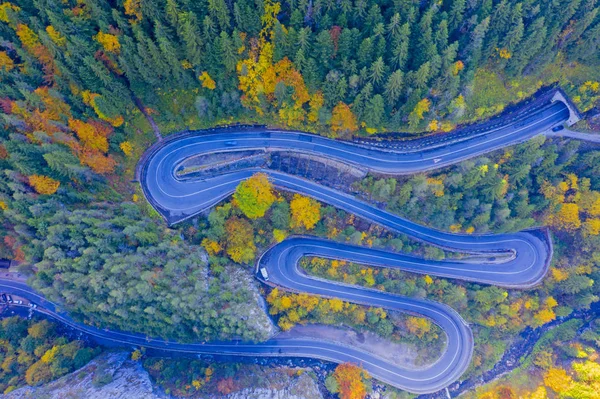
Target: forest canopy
87 85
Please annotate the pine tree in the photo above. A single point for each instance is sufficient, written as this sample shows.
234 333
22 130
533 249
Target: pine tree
400 47
535 37
393 87
227 52
425 47
515 31
219 12
455 17
377 71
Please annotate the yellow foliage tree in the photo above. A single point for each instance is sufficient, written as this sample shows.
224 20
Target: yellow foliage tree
567 217
558 380
254 196
418 112
43 184
108 42
197 384
504 53
587 371
258 75
240 240
207 81
49 355
56 36
337 305
305 211
418 326
316 103
6 62
591 227
279 235
211 247
544 316
539 393
133 9
126 147
433 126
38 373
5 8
559 274
136 355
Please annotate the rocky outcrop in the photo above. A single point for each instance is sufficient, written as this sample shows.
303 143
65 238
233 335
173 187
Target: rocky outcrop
110 375
254 312
301 387
114 376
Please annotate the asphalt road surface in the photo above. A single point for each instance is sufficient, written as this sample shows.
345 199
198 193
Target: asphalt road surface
517 260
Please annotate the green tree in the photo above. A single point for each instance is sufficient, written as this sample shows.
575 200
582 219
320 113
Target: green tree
254 196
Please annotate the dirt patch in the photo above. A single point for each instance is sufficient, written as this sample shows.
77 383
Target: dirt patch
402 354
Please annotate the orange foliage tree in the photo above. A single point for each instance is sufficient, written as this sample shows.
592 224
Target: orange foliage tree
43 184
259 76
351 381
98 162
92 135
343 120
226 386
32 44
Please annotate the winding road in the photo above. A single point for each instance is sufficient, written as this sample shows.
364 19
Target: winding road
524 256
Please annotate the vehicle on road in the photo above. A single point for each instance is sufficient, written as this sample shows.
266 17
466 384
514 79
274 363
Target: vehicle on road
264 273
558 128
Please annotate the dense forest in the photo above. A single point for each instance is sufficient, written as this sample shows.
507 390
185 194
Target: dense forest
87 85
335 66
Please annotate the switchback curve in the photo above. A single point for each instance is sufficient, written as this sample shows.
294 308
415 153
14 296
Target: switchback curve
529 253
176 199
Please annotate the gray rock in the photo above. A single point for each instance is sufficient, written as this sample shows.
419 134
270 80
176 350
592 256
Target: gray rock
115 376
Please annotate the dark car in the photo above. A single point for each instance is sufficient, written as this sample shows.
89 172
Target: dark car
558 128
